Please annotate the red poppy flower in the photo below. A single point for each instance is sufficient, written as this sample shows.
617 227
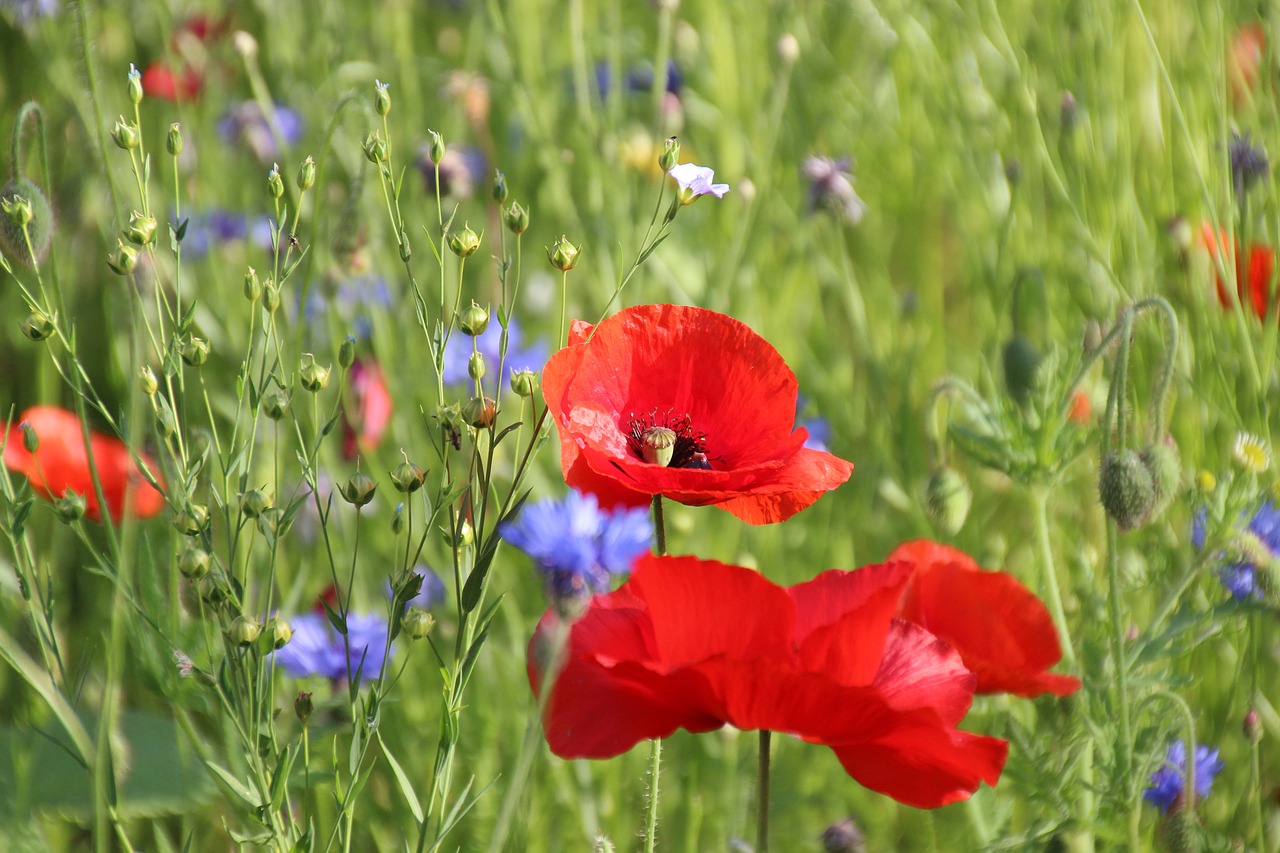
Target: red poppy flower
692 644
1081 408
60 465
704 388
371 411
1256 273
1244 59
160 81
1002 631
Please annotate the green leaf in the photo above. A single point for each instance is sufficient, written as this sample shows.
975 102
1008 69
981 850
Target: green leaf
402 778
235 785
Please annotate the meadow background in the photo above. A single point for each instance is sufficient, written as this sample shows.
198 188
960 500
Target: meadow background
1067 152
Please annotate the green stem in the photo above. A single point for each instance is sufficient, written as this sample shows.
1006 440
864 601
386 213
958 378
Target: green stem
659 526
1040 516
651 806
762 794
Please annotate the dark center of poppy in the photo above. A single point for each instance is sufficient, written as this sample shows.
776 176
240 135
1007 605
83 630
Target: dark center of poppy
667 439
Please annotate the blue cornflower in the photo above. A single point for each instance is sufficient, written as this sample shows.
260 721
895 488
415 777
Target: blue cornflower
1241 578
1167 783
818 428
317 650
1248 161
245 123
458 351
577 545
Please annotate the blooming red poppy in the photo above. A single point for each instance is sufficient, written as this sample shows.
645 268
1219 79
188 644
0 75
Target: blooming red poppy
60 465
160 81
366 420
1257 273
1002 631
693 644
699 386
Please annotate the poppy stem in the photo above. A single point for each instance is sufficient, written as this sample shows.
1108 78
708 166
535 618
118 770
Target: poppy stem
660 526
651 808
762 795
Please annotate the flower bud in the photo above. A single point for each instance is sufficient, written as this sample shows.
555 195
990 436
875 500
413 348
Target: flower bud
466 536
474 320
141 230
407 477
195 351
480 412
124 260
465 242
148 380
375 148
125 135
1252 726
192 520
314 377
347 352
303 706
843 837
451 423
788 49
165 421
381 98
37 326
307 174
276 404
498 192
1021 366
70 507
135 85
397 520
475 366
244 631
1180 831
359 489
252 287
947 500
213 591
27 216
173 142
516 218
670 155
563 255
1162 462
270 295
524 382
194 563
437 147
1126 489
275 183
254 503
279 631
30 441
18 209
417 623
1205 482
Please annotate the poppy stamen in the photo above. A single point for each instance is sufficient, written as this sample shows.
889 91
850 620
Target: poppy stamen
667 439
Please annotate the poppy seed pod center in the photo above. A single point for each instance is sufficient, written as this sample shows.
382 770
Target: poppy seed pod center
668 440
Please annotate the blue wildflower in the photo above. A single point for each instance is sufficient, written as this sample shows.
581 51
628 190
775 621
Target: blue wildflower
577 545
819 430
696 181
1240 578
1167 782
458 351
25 11
245 123
317 650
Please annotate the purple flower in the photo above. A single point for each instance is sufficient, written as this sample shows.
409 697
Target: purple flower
695 182
461 169
1241 578
831 188
458 351
317 650
245 123
1248 161
25 11
578 546
1168 782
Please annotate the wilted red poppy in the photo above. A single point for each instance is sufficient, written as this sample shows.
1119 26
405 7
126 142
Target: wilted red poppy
699 386
1257 273
367 418
693 644
1002 631
60 465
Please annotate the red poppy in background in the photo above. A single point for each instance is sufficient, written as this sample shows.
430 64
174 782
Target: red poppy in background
161 81
1244 60
717 391
366 420
188 43
1002 631
60 465
694 644
1255 276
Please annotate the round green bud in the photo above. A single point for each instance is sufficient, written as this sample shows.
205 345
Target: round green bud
498 192
347 352
23 202
359 489
516 218
303 706
464 242
141 230
397 520
437 147
37 326
475 366
407 477
947 500
480 412
271 295
307 174
563 255
194 563
165 421
670 155
124 260
195 351
125 135
213 590
375 148
1162 461
148 380
135 85
474 319
275 183
70 507
30 440
1126 489
417 623
192 520
279 631
244 631
464 539
314 377
254 503
252 287
1021 366
524 382
381 98
276 404
173 142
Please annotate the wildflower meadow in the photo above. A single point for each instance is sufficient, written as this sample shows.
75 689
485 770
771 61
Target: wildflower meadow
466 425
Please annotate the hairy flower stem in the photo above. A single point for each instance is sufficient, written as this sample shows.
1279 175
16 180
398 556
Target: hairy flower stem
762 794
651 805
1040 516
